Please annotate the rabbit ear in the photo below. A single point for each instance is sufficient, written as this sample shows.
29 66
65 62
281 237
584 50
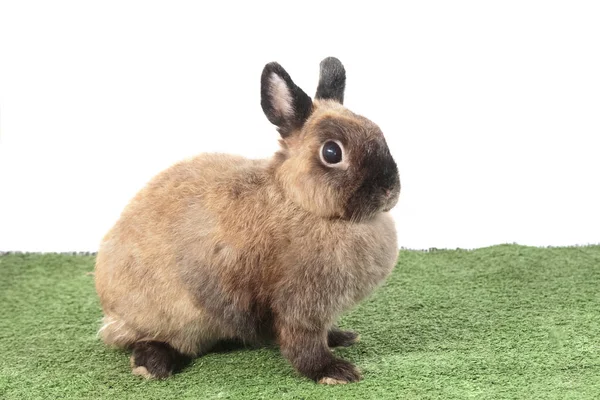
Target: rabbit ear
284 103
332 80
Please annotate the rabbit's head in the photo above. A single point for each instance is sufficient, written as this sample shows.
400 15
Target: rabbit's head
332 162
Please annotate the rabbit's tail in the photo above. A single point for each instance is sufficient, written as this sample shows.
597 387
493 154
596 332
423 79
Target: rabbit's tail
115 332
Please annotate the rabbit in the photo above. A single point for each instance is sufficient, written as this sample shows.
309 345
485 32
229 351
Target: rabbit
221 247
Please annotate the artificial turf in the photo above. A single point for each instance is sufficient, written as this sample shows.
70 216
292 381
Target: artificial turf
500 322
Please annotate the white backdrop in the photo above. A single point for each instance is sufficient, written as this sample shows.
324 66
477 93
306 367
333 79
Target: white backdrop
492 110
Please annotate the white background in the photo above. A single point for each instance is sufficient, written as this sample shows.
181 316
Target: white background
491 109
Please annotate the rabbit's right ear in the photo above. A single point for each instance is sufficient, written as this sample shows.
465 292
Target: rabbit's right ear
332 80
284 103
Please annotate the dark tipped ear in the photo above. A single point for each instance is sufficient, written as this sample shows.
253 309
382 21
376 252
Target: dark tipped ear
332 80
284 103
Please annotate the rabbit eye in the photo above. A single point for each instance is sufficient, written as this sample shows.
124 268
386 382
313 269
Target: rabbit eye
331 152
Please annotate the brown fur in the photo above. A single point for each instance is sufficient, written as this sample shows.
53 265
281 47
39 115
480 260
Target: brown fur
223 247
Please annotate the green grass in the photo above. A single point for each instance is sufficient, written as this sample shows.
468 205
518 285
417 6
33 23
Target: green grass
501 322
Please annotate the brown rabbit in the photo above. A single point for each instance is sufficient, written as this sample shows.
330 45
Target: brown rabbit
223 247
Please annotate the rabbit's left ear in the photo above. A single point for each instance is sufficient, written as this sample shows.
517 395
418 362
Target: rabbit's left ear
284 103
332 80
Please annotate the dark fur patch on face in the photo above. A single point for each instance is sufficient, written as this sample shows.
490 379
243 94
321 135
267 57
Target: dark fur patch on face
380 179
371 180
342 129
332 80
330 128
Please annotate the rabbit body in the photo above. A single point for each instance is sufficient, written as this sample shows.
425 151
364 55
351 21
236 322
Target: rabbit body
224 247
